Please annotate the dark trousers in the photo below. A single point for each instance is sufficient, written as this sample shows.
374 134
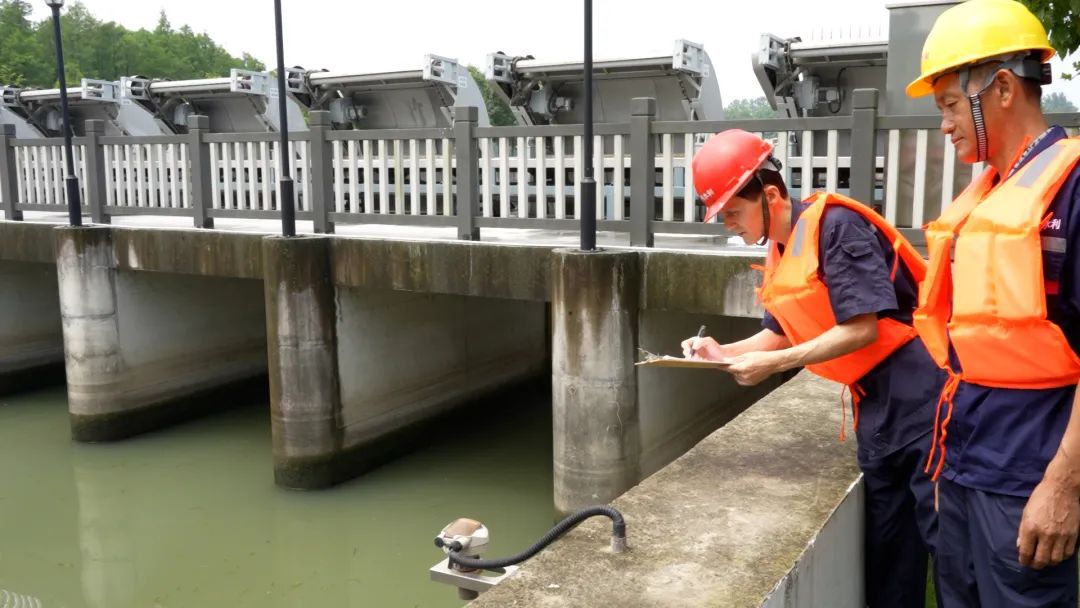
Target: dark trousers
978 557
901 527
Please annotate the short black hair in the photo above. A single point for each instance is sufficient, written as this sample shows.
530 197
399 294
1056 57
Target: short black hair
766 177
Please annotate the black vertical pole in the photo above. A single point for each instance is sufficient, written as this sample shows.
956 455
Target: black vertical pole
288 209
71 183
588 182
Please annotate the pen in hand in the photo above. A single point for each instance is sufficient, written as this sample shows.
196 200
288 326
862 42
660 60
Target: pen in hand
700 334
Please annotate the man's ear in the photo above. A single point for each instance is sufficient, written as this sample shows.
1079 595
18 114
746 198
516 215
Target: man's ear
773 198
1007 86
772 194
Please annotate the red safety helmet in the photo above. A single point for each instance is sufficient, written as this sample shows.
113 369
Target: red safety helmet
725 164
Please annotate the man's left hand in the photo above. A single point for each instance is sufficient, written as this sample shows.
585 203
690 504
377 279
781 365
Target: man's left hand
751 368
1048 528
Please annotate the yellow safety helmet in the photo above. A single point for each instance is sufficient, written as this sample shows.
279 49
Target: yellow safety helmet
975 31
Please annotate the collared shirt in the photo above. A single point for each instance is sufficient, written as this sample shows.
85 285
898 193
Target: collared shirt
1000 440
901 392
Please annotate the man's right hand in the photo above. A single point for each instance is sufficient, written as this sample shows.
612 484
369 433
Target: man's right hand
706 348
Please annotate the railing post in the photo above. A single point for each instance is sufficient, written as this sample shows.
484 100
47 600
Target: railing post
95 172
322 170
8 191
200 173
863 145
642 171
468 180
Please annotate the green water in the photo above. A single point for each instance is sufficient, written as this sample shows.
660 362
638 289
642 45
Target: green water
190 516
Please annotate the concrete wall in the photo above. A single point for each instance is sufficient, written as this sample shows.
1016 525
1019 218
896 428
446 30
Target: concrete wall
146 349
31 342
404 357
762 510
679 407
828 572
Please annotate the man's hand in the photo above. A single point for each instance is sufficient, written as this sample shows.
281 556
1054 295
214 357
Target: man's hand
751 368
706 348
1048 528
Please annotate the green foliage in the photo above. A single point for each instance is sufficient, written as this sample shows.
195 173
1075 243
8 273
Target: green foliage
1057 102
498 110
748 109
1062 22
105 50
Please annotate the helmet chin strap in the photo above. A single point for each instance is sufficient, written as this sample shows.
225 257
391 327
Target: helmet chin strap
975 100
765 217
1023 65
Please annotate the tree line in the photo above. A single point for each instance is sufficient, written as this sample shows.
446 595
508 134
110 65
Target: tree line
104 49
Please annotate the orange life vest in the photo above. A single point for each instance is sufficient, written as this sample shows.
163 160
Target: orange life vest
794 293
990 303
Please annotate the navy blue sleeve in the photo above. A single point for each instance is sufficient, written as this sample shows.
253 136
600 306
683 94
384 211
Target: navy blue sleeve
854 266
769 322
1070 268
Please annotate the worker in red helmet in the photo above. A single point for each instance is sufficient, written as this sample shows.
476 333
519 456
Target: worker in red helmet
839 290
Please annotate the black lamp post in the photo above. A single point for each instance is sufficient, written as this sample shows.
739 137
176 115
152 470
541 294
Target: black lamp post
288 210
588 182
71 183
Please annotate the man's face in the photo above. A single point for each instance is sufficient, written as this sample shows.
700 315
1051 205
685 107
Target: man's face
956 119
743 217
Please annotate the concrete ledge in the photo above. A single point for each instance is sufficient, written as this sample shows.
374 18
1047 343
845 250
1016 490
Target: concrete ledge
518 272
199 252
708 283
27 242
715 284
724 525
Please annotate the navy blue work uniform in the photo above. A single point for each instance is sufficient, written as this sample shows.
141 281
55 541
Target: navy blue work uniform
896 413
1000 441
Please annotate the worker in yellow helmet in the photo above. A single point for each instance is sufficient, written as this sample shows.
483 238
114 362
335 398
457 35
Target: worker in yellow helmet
1003 317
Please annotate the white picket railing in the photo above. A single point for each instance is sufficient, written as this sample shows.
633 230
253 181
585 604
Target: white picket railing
40 173
540 177
146 176
245 175
526 174
393 177
414 176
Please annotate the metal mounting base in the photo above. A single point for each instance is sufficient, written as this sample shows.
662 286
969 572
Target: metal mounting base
472 581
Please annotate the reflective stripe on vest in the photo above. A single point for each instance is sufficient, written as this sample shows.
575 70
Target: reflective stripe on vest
991 303
794 293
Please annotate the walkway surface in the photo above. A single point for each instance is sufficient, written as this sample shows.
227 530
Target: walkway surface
721 245
721 526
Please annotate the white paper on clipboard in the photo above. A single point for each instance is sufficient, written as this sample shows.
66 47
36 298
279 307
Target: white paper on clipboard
650 360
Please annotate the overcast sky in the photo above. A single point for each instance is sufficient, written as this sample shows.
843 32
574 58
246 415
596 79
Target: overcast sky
343 35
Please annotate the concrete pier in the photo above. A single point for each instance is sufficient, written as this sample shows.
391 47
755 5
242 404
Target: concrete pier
360 374
145 350
615 424
597 436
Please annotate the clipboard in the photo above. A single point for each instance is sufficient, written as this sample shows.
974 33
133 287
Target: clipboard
651 360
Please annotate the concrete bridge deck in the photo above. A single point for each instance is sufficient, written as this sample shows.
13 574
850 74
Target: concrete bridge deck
364 341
